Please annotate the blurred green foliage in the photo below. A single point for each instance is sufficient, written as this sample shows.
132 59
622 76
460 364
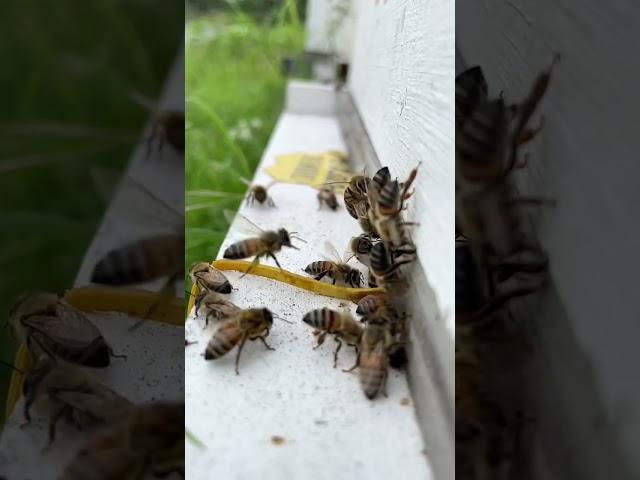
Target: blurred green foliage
235 92
68 67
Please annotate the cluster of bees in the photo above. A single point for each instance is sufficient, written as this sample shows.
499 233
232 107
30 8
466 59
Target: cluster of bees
384 246
62 343
498 260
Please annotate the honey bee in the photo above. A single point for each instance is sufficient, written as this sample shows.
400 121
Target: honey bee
355 196
207 277
168 127
49 326
249 324
214 305
328 197
265 244
383 311
258 193
373 360
338 270
73 394
360 247
341 325
381 178
384 267
150 258
370 304
471 90
149 439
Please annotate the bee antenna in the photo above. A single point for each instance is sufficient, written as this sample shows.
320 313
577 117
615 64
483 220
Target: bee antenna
12 366
275 315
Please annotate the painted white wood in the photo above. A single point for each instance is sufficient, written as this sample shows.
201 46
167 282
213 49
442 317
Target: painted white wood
401 78
310 98
329 428
329 27
154 369
584 158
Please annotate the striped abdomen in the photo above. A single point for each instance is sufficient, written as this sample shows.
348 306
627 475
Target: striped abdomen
223 341
243 249
369 304
140 261
349 202
323 319
320 267
373 370
480 145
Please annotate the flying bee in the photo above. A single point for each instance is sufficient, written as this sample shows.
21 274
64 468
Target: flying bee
360 247
258 193
152 257
149 439
471 90
328 197
373 360
265 244
73 395
338 270
339 324
215 306
207 277
48 326
249 324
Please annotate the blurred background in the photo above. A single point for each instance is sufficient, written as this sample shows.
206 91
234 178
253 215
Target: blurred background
69 68
234 87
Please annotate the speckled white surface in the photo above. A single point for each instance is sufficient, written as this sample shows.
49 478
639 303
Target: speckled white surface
330 429
155 364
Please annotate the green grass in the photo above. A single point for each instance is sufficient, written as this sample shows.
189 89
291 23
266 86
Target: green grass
235 92
68 68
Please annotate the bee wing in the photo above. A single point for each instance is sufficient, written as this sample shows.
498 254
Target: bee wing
331 250
242 223
212 276
69 328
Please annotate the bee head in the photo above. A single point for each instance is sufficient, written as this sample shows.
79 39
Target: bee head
268 316
285 238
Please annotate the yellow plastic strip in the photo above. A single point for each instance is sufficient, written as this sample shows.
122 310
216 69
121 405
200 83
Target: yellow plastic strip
300 281
132 302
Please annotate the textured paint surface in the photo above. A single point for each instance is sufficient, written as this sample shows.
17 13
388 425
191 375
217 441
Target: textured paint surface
324 426
154 369
402 81
583 159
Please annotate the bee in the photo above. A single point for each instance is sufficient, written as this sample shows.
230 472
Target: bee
471 90
338 270
355 196
383 311
168 127
381 178
373 360
249 324
150 258
214 305
149 439
341 325
266 244
371 303
73 395
360 247
258 193
47 325
207 277
384 267
328 197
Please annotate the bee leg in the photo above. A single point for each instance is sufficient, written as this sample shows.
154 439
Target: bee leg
275 260
271 202
319 277
335 353
321 338
357 364
253 264
240 347
264 341
384 384
112 354
334 281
